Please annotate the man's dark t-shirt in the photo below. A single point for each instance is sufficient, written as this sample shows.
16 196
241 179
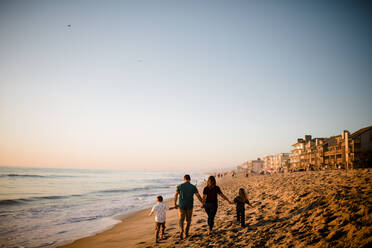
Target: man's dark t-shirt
211 194
186 192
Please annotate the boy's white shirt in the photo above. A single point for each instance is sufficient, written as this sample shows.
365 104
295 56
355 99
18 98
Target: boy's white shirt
160 211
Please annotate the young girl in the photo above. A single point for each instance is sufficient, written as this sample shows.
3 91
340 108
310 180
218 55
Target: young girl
240 200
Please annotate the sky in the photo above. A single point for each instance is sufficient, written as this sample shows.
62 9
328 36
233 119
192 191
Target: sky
169 85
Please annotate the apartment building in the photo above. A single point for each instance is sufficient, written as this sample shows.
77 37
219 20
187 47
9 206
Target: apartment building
252 166
274 163
361 148
344 150
268 162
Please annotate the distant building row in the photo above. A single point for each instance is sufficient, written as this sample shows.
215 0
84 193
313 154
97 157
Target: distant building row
342 151
345 151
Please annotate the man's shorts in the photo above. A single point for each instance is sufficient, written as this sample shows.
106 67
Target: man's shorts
185 214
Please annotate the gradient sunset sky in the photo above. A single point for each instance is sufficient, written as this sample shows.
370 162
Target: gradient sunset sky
178 84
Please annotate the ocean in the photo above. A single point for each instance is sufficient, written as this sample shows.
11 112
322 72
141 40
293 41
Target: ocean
42 207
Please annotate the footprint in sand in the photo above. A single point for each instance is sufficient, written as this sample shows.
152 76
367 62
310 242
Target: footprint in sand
165 237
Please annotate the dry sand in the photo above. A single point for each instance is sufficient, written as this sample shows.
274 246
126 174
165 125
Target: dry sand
303 209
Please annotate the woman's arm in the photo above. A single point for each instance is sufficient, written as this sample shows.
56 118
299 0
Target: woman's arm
204 199
224 197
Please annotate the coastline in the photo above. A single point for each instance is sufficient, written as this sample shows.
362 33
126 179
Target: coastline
302 209
133 226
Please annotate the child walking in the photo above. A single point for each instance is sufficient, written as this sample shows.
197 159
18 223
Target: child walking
160 215
240 200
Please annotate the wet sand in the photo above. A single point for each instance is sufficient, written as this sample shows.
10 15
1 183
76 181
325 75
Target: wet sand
302 209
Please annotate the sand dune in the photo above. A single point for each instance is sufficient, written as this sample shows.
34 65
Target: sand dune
303 209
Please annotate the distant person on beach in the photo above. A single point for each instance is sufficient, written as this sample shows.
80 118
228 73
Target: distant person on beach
240 200
160 215
210 203
186 192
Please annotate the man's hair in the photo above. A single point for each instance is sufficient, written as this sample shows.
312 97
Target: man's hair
160 198
187 177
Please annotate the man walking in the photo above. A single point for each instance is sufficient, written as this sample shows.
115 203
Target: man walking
186 192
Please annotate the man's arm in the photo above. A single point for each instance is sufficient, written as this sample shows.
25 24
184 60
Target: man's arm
199 197
175 200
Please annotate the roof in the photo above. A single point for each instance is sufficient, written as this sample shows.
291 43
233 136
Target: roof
298 143
360 131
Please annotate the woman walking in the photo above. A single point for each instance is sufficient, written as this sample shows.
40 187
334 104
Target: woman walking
210 202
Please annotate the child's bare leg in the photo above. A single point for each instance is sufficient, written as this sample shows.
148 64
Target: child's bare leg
157 229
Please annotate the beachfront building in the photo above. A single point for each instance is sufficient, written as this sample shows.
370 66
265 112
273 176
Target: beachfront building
257 165
336 151
361 148
297 154
274 163
341 151
252 166
320 153
316 159
307 154
280 161
268 163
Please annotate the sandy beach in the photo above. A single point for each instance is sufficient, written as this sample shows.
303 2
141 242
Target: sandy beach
302 209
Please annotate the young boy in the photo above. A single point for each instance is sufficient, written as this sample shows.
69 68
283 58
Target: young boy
160 215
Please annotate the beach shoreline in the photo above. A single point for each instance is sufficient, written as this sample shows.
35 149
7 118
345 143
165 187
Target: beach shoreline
129 222
302 209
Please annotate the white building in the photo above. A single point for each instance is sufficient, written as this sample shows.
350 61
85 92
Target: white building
252 166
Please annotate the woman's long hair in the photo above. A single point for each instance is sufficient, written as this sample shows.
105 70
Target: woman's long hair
242 194
211 182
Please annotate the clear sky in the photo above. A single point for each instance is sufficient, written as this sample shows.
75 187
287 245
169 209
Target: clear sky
178 84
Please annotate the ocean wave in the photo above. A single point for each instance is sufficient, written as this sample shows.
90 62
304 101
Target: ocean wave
146 194
9 202
31 199
133 189
13 201
35 176
80 219
20 175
